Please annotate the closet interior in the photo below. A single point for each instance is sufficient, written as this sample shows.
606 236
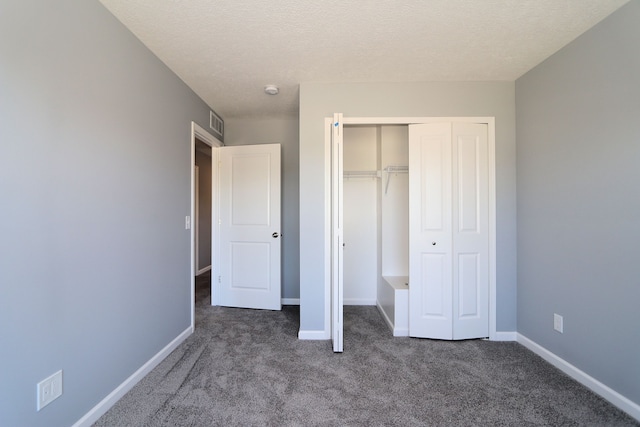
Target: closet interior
376 221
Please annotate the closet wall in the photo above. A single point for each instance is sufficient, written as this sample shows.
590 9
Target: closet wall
376 210
394 199
361 154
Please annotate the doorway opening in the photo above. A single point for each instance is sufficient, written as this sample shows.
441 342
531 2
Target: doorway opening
462 138
235 222
203 213
204 209
376 220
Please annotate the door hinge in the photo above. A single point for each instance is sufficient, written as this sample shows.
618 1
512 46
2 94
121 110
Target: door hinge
219 279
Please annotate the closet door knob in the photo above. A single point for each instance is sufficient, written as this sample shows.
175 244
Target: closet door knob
275 235
433 243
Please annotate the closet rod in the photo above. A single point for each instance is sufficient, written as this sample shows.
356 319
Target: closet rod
394 169
361 174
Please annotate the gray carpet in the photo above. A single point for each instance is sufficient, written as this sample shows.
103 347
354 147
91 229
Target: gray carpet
247 368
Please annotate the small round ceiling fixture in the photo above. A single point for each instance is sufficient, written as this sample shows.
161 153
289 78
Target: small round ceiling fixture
271 89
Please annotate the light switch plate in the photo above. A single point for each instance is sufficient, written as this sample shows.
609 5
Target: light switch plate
558 322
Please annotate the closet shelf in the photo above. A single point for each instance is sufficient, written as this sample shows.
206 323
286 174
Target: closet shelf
362 174
396 169
390 169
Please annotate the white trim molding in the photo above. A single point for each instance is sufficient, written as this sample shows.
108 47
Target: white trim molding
505 336
607 393
359 301
105 404
314 335
397 332
290 301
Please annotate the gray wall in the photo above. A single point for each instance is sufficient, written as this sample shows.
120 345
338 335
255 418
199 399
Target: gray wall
283 130
318 101
95 186
203 162
578 134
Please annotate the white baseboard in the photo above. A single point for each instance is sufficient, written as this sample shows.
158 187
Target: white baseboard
203 270
290 301
385 317
506 336
314 335
359 301
397 332
583 378
106 403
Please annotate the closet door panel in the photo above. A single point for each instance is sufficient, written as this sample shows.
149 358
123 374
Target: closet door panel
430 249
434 156
337 191
468 181
468 301
471 231
434 303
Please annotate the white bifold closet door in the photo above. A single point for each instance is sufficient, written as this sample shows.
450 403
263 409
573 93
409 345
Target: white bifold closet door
449 231
337 238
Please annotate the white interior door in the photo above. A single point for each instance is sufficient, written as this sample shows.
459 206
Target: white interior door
449 231
337 191
250 230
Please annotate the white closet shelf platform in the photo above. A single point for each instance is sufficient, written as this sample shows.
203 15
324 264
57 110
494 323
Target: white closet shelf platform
393 304
397 282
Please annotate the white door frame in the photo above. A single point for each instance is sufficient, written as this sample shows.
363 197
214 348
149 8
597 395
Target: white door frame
203 135
490 122
195 218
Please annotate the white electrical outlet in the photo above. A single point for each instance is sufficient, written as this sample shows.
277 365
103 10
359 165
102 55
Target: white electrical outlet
49 389
558 322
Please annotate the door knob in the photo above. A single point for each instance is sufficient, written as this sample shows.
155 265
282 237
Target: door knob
433 243
275 235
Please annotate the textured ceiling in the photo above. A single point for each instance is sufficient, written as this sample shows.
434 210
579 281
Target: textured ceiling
228 50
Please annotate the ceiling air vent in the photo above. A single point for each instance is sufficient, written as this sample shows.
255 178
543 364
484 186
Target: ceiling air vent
217 125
